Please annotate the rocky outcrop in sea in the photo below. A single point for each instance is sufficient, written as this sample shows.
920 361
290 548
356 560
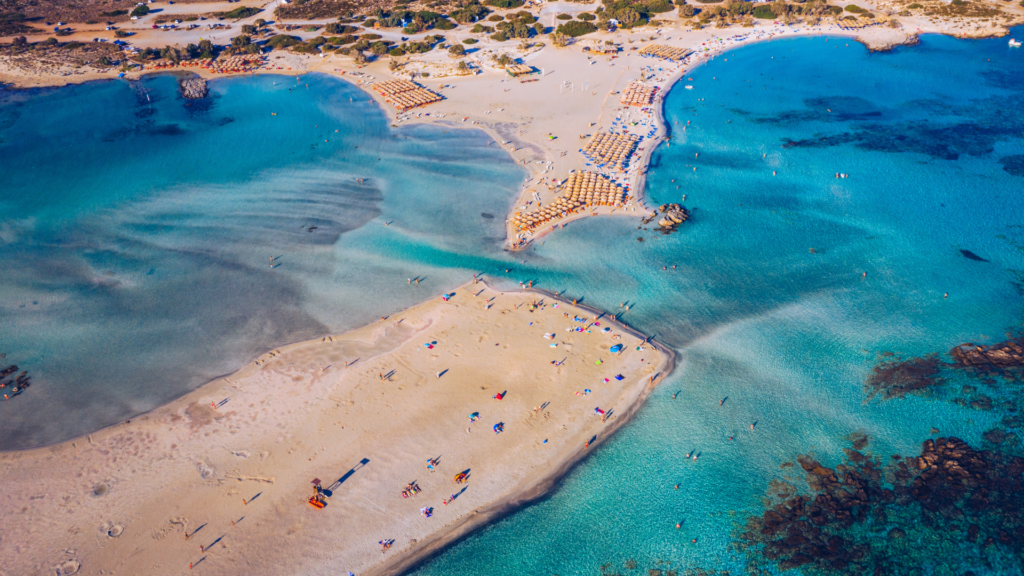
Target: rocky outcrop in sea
194 88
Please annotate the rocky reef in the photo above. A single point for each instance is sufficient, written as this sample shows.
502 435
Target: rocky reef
674 215
194 88
992 365
903 517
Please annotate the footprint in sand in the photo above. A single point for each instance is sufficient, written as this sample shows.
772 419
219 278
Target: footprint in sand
68 567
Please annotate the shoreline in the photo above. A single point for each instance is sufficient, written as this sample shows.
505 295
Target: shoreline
32 471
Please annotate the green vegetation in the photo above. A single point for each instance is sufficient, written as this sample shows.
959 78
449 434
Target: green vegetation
709 1
576 28
835 10
587 17
687 11
495 18
504 4
140 11
444 24
283 41
630 13
563 17
72 45
763 12
469 13
457 50
499 36
481 29
336 28
854 9
914 6
370 37
240 12
122 33
470 41
114 13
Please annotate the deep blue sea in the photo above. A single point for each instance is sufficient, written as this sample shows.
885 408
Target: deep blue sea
137 232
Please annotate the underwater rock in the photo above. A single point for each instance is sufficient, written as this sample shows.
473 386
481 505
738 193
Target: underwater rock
194 88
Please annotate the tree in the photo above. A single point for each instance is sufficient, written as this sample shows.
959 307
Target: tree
191 51
20 41
462 66
140 11
456 50
559 40
248 29
241 41
687 11
504 60
359 57
379 48
260 22
206 49
104 61
393 65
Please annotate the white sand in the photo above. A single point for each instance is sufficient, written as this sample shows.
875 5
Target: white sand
121 500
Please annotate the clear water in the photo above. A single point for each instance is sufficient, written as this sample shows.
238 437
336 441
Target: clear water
786 334
137 232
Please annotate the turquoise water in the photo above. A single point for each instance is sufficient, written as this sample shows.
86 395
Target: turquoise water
788 336
138 232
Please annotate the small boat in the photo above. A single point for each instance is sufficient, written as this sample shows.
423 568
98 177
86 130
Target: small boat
688 87
1014 43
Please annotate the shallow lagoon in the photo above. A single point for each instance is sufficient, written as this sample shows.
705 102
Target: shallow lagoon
161 279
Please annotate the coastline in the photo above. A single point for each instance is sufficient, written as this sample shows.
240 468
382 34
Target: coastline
144 478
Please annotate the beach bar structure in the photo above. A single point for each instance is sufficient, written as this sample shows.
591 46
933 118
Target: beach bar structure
406 95
638 94
580 191
608 150
665 52
517 70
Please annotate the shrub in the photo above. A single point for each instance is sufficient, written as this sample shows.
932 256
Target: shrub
457 50
539 28
914 6
506 4
576 28
241 12
709 1
122 33
470 41
369 22
564 17
283 41
114 13
587 17
499 36
660 6
854 9
343 40
73 45
371 37
495 18
444 24
687 11
835 10
140 10
336 28
480 28
764 13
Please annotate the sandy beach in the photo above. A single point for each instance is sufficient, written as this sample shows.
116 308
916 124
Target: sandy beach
220 479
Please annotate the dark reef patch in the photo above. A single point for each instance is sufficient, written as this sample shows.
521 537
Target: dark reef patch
1013 165
992 120
972 256
906 517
